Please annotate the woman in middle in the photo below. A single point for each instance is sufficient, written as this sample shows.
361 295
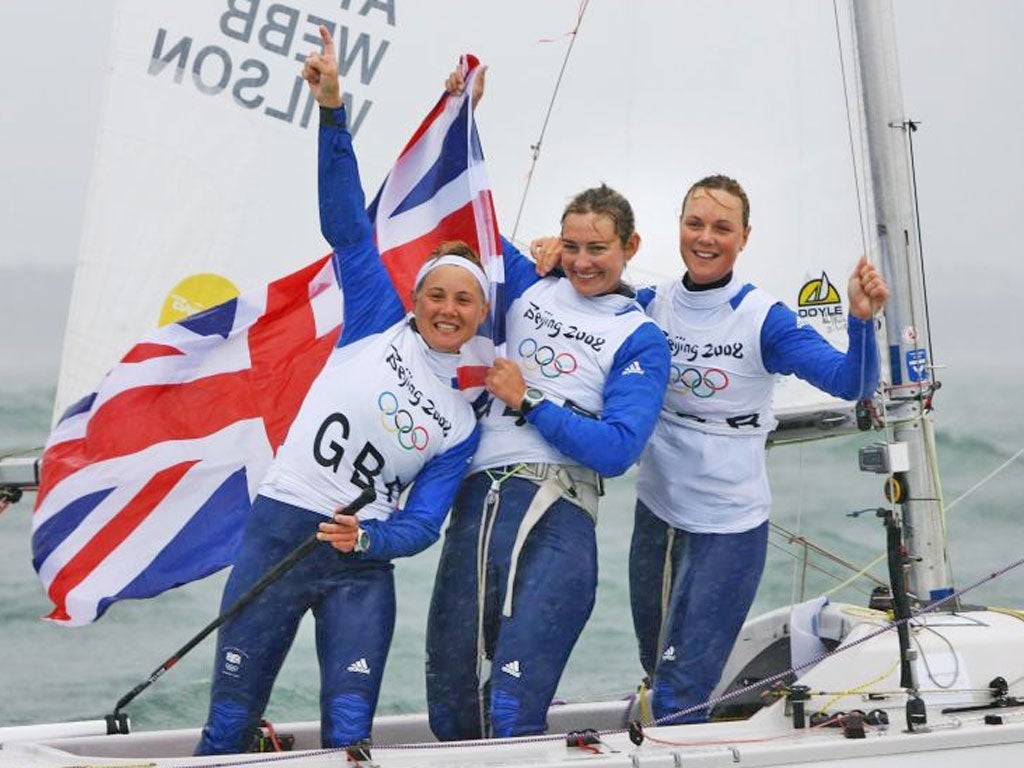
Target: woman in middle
576 400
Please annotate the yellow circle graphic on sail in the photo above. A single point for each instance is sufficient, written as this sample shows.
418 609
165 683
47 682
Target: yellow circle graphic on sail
194 294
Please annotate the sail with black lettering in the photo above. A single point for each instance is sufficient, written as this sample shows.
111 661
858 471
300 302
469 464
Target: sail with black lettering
204 187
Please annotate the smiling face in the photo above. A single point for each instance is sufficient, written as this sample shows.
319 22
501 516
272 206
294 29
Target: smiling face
711 233
593 255
448 306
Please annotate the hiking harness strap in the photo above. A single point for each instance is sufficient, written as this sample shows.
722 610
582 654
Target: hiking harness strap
576 484
667 580
579 485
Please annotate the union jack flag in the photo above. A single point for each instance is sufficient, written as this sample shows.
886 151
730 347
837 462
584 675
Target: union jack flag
438 190
147 482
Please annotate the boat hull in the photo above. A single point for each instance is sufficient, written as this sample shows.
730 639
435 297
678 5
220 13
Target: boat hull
957 657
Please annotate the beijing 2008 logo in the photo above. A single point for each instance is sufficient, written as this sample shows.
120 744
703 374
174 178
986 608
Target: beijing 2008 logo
693 381
551 364
400 423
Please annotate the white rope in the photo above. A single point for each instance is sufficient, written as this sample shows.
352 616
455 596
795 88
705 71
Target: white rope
985 479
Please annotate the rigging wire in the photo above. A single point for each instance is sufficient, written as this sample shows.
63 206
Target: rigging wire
793 537
928 428
857 162
812 566
849 133
985 479
860 185
864 571
859 195
817 549
925 393
535 148
911 127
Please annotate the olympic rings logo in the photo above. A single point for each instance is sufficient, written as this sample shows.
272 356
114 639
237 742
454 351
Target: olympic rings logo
400 422
551 364
693 381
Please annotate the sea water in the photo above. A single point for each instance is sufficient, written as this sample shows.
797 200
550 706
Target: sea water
52 673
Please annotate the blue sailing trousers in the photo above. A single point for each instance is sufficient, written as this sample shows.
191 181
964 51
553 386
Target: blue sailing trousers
714 578
553 595
353 603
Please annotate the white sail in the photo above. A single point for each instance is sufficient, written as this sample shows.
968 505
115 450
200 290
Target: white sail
206 155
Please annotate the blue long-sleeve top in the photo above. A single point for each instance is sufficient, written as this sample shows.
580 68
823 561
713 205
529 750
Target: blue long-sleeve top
372 305
787 348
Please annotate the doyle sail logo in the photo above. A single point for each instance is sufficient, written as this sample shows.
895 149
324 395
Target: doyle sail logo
819 298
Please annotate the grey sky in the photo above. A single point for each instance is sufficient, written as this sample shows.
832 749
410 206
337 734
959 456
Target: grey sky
962 79
51 79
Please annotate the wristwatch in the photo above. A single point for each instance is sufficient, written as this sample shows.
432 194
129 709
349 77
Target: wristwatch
531 399
362 541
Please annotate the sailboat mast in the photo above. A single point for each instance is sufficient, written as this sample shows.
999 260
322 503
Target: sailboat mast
898 253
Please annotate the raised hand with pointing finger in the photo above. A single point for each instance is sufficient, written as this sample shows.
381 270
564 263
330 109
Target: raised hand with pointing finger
321 73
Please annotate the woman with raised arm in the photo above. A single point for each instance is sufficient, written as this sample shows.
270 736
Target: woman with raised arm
575 401
380 415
